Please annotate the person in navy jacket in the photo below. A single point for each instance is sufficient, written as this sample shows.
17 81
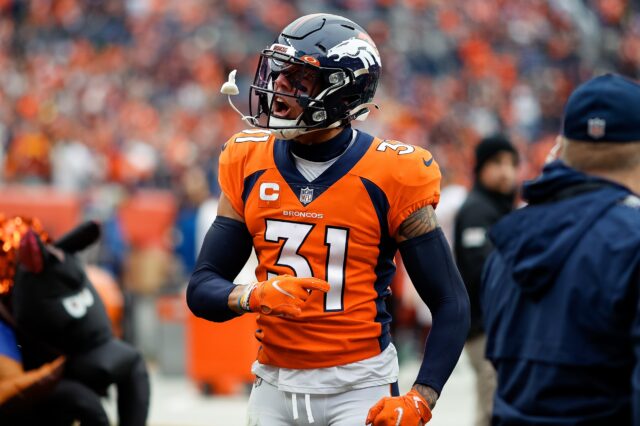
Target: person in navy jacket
560 293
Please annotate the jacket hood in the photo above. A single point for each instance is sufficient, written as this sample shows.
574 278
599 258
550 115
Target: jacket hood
535 241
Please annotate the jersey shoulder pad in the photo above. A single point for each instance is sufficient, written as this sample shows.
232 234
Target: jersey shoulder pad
405 164
242 143
410 178
243 154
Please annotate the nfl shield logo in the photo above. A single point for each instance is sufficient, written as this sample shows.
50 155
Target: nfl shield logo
306 195
596 127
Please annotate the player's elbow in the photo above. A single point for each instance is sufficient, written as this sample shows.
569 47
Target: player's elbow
207 298
193 301
191 297
455 308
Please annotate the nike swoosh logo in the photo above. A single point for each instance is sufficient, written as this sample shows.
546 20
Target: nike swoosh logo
427 163
286 293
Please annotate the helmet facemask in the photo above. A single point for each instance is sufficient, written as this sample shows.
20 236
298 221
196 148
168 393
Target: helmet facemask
314 88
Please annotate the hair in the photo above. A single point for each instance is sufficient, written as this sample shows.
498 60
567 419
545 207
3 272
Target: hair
601 156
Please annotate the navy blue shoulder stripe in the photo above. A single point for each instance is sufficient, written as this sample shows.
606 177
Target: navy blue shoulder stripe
385 266
249 183
380 203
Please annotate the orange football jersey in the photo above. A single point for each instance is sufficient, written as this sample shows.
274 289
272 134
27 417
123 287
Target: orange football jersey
338 228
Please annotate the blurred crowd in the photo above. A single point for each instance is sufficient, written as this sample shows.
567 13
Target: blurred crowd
100 93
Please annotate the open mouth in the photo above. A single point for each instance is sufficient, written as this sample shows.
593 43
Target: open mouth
280 108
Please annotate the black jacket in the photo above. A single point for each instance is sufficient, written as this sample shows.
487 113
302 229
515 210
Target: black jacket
480 211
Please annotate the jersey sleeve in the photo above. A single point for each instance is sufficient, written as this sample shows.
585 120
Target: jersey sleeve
239 159
417 184
230 175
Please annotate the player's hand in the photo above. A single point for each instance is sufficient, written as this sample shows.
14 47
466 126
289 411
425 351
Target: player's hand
410 409
282 295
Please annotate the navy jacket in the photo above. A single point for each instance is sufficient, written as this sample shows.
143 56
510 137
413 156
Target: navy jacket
560 303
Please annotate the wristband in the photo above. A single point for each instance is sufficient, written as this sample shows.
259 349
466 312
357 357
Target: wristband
243 301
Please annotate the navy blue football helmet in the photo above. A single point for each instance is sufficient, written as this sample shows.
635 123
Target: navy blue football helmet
339 64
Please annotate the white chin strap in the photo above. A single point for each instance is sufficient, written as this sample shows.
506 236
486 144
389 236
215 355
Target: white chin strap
359 113
286 134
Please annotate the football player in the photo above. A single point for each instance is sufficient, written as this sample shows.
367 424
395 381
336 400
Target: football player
326 207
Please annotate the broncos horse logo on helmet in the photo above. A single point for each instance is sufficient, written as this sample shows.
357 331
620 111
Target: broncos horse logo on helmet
356 48
337 55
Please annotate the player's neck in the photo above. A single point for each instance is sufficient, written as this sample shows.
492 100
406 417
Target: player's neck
319 136
326 149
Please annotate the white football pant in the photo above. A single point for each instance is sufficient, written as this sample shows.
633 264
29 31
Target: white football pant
269 406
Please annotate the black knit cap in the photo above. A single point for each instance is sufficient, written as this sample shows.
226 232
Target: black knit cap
490 146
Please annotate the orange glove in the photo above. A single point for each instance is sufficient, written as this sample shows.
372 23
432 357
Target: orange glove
406 410
282 295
